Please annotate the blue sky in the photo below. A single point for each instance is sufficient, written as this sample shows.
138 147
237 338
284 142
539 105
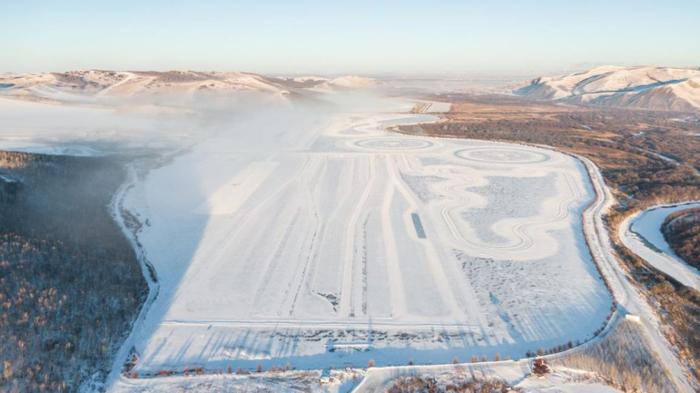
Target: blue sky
358 36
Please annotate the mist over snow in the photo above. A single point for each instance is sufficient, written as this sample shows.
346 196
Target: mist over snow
44 115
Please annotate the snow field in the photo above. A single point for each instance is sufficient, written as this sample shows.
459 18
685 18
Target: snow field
303 249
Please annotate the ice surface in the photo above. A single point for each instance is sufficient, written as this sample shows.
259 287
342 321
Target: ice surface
642 233
295 243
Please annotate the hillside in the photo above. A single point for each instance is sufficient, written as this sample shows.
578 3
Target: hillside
657 88
81 85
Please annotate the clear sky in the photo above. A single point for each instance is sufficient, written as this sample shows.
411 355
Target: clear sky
356 36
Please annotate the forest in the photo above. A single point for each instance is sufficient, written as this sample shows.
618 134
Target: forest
682 232
70 284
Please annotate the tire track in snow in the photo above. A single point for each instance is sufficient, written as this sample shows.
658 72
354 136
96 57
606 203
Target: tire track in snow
338 209
437 270
364 265
228 237
273 261
452 286
346 293
521 234
316 238
396 287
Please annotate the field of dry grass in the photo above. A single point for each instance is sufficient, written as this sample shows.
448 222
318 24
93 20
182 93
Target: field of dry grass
623 359
431 385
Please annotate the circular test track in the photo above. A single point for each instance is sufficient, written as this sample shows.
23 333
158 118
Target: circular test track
502 155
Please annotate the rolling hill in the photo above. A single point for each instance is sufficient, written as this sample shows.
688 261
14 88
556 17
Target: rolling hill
657 88
79 85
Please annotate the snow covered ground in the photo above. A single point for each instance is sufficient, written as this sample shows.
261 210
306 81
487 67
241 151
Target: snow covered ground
642 234
560 380
329 242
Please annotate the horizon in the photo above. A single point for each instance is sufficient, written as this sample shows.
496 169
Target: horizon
448 38
476 76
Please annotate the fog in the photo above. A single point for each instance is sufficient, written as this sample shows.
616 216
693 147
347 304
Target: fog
97 126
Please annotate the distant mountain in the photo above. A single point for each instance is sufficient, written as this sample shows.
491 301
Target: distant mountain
319 83
658 88
78 85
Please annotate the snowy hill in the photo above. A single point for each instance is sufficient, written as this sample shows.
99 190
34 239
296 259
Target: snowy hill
77 85
658 88
346 82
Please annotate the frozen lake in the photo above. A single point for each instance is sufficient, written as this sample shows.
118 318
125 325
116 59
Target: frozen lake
333 241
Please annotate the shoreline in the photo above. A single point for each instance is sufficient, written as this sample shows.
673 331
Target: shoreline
117 211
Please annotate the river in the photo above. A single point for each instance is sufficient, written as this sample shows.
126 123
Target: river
642 234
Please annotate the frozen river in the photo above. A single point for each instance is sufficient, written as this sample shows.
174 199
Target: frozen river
642 233
331 241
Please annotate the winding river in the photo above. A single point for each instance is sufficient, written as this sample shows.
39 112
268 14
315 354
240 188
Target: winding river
642 234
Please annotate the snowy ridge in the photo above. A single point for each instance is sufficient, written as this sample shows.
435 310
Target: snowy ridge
658 88
79 85
323 84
